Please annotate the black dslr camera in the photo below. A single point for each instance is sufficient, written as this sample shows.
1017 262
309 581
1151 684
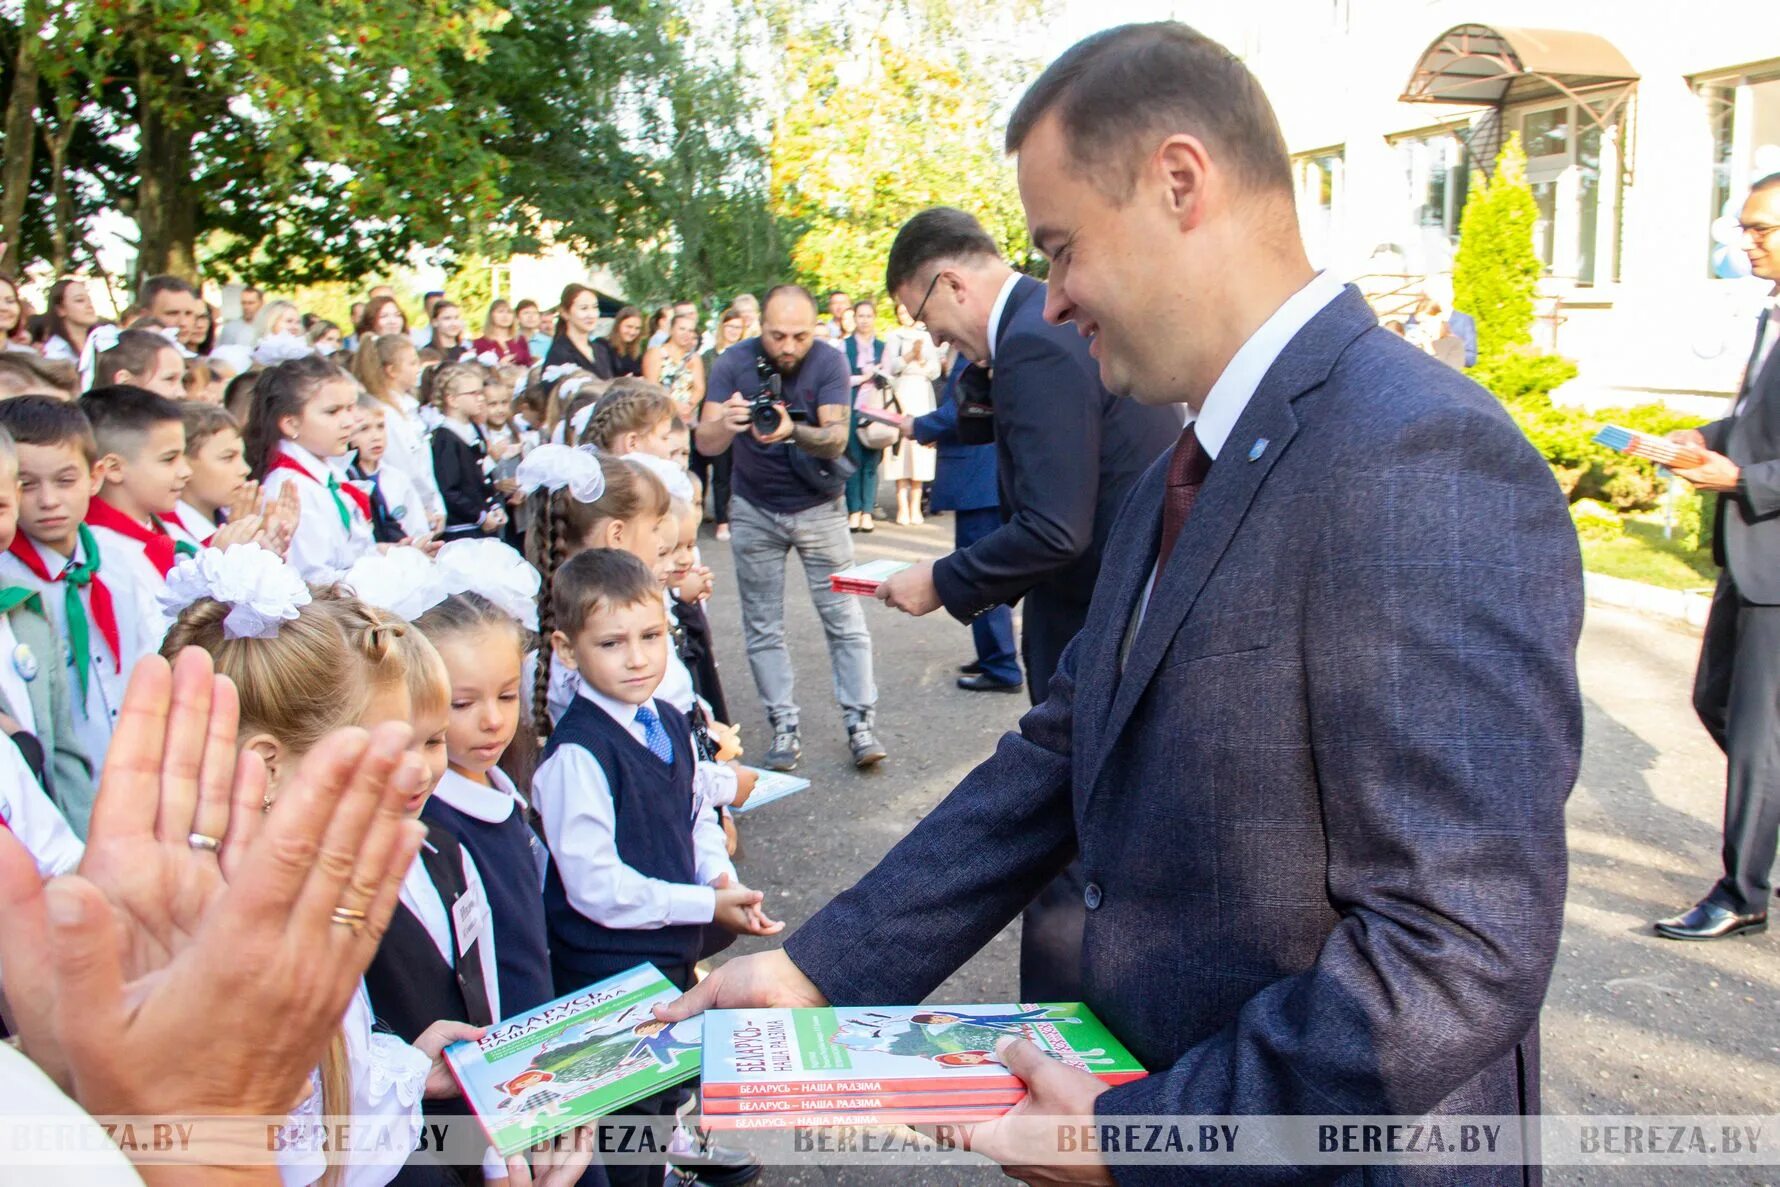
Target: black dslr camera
761 408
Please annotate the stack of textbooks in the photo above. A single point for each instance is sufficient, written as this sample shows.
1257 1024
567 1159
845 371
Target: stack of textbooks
888 1065
575 1059
865 579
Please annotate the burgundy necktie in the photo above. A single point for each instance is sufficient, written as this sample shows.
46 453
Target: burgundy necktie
1186 474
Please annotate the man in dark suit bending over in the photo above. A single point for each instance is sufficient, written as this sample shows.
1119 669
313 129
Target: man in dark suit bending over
1314 742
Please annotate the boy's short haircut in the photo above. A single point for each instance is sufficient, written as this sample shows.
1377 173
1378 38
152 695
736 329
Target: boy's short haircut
369 402
204 421
122 415
47 421
25 374
599 578
135 352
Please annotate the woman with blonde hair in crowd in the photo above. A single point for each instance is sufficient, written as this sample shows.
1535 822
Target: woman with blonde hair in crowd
913 362
501 336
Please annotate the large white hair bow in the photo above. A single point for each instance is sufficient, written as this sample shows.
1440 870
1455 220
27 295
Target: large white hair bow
281 348
260 590
554 467
403 581
494 570
677 481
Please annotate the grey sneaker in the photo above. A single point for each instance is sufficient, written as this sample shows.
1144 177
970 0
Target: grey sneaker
867 750
786 750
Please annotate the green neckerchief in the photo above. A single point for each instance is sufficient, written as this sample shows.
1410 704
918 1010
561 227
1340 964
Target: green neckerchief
74 579
339 503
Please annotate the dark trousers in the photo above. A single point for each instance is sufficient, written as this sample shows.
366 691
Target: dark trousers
1051 927
862 484
714 473
1737 695
992 632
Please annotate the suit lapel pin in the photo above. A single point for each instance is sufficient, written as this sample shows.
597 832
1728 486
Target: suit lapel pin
1257 449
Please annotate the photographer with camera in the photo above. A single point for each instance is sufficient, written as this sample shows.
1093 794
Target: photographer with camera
786 419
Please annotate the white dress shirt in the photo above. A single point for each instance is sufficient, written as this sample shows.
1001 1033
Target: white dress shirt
409 451
321 549
1236 386
574 800
140 625
190 524
34 820
426 904
995 311
13 687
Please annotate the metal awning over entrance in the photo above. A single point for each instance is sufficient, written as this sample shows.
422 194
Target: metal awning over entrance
1493 66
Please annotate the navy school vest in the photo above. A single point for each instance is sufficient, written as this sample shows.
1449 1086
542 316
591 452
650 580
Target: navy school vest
652 810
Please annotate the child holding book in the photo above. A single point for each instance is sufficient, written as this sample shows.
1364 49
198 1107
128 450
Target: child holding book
101 604
143 472
304 414
305 663
637 871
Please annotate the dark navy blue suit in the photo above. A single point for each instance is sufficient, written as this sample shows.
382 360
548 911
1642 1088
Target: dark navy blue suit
1318 798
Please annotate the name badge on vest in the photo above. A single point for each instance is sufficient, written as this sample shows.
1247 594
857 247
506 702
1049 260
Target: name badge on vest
24 662
469 918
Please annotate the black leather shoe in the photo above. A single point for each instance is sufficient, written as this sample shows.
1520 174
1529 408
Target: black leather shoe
981 683
973 668
1709 921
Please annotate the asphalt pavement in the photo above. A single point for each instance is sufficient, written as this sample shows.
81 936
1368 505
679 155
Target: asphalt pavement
1632 1024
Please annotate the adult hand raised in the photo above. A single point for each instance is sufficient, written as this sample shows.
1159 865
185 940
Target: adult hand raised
763 979
241 1009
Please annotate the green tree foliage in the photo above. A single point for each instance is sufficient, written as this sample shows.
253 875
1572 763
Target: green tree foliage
1496 272
852 161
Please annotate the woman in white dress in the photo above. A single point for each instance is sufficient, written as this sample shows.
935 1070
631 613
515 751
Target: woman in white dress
914 363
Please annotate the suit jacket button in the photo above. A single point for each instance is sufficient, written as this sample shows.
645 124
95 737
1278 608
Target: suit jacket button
1091 896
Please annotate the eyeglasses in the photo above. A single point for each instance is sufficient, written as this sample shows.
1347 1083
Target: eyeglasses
1757 231
919 309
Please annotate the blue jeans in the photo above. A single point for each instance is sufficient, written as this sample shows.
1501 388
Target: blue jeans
760 541
993 633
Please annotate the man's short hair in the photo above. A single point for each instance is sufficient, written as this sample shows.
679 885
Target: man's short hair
938 233
789 290
47 421
1119 89
122 415
254 289
1764 184
154 286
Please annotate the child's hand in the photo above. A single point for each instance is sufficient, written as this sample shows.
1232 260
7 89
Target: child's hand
745 781
238 531
440 1083
246 501
728 739
738 910
695 585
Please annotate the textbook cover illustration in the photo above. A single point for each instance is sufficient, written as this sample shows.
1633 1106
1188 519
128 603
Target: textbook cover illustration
876 1051
865 579
577 1058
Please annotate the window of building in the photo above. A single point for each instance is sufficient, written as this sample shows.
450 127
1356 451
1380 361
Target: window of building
1563 143
1743 112
1436 178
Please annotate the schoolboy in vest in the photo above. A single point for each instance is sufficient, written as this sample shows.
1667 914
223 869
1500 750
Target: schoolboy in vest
102 605
33 685
636 871
143 472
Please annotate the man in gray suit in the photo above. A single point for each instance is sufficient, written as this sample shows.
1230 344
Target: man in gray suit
1737 689
1314 742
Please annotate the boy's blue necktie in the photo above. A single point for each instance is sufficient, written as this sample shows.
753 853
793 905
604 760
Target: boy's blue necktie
655 735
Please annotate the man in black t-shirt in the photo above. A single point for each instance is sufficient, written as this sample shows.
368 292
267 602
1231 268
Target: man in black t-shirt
777 507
